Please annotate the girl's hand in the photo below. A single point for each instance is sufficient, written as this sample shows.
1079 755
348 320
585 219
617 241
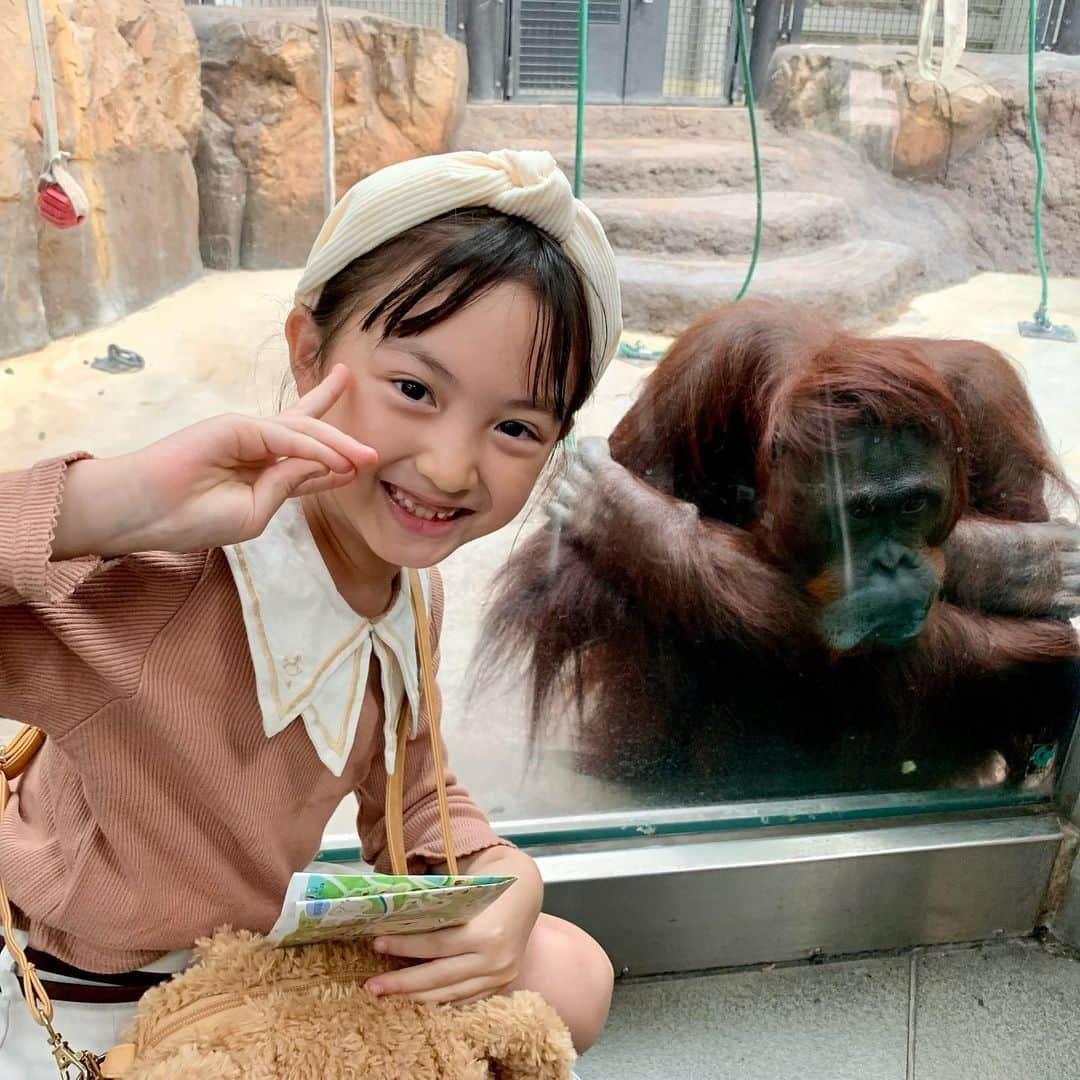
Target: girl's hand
471 962
217 482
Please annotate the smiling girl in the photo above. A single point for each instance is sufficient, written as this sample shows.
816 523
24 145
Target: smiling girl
215 633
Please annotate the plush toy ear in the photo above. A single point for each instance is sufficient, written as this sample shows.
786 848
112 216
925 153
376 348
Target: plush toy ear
521 1035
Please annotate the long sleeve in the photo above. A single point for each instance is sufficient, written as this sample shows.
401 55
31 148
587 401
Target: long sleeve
470 829
74 634
29 508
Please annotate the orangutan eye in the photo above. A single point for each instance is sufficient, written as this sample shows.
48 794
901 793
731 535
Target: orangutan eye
914 504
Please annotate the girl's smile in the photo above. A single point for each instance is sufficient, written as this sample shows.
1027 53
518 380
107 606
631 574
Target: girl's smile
422 516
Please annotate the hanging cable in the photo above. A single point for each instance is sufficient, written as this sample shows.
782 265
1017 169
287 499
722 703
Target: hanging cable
1040 326
61 200
326 70
748 91
582 64
639 352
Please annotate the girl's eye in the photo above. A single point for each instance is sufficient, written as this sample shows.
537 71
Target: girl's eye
517 430
414 391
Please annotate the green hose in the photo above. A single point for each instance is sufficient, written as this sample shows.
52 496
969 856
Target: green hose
570 442
748 89
582 54
638 351
1041 318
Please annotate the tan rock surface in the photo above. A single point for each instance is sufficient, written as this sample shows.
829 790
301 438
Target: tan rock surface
398 93
969 134
873 97
126 76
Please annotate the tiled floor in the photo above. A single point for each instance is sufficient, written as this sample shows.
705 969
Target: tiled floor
1005 1011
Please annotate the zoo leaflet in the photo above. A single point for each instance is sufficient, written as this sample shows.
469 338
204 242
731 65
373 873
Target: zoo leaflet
323 907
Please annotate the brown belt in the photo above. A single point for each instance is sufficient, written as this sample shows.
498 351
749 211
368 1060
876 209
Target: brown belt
122 988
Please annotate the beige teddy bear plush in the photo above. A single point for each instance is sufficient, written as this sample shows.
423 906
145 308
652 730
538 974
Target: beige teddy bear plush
246 1010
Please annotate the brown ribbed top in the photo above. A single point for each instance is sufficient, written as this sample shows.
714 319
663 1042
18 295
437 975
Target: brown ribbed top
158 810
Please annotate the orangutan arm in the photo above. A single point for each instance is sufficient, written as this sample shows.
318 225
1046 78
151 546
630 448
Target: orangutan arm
1014 568
959 643
659 552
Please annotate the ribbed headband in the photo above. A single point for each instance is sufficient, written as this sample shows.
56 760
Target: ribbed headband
524 183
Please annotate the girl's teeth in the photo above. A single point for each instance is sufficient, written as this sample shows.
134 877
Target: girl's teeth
423 512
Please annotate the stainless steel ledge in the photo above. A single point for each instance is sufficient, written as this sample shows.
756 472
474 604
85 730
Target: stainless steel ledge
678 906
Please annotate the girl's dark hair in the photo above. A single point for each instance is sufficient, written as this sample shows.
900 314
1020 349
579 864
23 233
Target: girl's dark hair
461 256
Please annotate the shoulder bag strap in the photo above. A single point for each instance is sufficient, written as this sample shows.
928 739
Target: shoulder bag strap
395 787
14 759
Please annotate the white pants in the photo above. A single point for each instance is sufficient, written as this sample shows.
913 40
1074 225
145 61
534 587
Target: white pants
24 1048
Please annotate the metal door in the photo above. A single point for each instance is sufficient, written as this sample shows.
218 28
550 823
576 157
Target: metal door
625 54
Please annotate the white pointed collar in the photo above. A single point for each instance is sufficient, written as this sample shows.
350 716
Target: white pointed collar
310 650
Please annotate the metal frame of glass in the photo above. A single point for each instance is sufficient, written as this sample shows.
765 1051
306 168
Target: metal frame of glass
676 890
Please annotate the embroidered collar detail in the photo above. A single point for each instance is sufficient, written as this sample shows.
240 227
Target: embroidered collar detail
310 650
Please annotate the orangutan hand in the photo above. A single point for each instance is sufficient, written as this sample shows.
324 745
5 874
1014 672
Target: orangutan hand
1016 568
578 492
599 503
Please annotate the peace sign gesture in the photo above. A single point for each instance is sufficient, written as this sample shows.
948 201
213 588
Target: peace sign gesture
215 483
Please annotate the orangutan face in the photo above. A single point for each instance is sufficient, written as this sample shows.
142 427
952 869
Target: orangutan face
874 524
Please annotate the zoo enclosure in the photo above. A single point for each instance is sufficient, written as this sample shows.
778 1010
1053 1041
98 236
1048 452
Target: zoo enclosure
838 874
667 50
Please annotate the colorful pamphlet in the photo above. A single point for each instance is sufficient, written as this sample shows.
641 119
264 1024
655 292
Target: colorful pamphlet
326 907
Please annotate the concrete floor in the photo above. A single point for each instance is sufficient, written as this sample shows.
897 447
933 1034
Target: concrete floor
1005 1011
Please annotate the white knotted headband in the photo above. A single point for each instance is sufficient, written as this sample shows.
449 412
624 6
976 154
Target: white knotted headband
523 183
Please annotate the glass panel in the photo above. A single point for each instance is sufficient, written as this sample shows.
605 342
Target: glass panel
817 579
822 727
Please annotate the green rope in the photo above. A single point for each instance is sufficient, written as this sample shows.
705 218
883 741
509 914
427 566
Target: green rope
748 89
638 351
570 442
582 55
1041 318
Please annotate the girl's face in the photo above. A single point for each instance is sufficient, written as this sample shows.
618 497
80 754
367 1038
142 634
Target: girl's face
460 443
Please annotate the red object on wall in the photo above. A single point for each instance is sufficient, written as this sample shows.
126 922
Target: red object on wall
56 208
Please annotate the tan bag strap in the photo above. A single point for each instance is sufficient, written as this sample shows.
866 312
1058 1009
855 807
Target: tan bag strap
71 1064
395 786
20 751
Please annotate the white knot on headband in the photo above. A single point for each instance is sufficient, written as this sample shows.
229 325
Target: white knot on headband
523 183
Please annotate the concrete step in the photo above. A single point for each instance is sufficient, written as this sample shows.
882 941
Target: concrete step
670 167
493 126
722 223
860 283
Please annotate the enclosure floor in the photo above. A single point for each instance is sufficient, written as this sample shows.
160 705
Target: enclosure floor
987 308
1004 1011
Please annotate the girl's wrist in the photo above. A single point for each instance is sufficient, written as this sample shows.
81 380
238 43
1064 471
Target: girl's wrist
98 514
528 890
